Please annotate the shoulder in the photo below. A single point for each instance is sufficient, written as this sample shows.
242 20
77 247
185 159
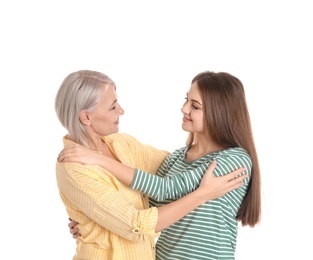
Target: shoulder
177 155
121 139
233 154
77 172
232 159
179 151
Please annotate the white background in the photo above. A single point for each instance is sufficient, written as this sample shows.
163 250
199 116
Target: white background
152 50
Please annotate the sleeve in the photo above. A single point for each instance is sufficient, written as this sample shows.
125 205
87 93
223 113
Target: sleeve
227 164
95 192
176 186
168 187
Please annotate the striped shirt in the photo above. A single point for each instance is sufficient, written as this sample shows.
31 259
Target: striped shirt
114 220
210 231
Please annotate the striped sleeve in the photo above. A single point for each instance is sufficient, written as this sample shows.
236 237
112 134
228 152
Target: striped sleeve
228 163
179 185
170 187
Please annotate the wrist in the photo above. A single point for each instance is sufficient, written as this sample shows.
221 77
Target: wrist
199 196
101 160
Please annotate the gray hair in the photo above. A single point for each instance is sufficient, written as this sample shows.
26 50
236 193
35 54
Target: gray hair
79 91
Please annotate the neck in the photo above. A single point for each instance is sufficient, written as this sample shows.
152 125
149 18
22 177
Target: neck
98 145
202 147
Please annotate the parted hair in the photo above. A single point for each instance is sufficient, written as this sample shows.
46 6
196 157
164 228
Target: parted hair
227 120
79 91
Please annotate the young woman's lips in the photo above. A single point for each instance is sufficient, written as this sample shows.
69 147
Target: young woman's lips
185 119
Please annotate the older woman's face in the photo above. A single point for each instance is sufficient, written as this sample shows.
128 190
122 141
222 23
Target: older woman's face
105 117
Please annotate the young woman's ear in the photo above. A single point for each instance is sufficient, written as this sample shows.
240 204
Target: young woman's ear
84 117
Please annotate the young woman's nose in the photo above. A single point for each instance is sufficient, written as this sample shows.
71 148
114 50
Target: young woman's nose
121 110
184 109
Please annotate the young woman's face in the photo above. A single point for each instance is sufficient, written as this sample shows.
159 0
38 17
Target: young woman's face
193 111
104 119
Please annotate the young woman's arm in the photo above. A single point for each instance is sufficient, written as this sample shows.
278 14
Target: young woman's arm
210 188
81 154
170 187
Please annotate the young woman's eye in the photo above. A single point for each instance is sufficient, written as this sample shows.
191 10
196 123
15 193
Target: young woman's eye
195 107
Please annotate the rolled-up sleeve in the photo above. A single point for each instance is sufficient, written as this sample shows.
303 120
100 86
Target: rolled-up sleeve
95 192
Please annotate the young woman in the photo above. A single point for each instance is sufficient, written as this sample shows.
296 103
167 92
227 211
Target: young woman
115 221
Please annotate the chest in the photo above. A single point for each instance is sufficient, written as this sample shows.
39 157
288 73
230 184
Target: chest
178 164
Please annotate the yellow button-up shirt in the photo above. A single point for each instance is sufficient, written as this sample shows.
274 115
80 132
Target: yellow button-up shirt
114 220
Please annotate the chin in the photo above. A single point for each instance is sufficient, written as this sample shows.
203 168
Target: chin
185 128
115 130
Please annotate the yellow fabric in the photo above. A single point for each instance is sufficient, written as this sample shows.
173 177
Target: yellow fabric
114 220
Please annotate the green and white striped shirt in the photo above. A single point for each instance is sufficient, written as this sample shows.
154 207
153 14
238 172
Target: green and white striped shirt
210 231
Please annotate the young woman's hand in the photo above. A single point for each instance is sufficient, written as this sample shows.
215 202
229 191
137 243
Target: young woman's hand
79 153
73 228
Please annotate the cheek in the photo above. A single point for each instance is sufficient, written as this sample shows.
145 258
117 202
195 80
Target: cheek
199 121
199 124
113 118
103 122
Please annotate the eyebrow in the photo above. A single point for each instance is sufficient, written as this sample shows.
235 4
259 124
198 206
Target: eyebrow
193 100
115 101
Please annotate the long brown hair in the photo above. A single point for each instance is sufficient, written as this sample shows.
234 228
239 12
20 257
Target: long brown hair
227 119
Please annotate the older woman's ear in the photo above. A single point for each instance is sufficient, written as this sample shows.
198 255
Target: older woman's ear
84 117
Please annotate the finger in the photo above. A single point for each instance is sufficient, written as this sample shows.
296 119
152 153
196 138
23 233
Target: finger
67 150
60 157
76 235
73 231
236 185
240 178
238 181
211 167
64 157
72 224
235 174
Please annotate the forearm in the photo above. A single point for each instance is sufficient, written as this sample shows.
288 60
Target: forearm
122 172
167 187
172 212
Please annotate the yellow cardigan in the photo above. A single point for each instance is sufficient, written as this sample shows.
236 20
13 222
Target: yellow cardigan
114 220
